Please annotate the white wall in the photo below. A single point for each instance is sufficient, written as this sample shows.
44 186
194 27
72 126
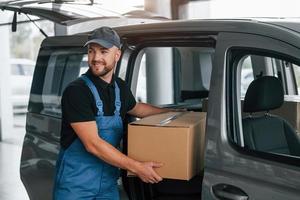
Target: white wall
6 114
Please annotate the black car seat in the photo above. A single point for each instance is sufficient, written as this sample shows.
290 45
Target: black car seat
266 132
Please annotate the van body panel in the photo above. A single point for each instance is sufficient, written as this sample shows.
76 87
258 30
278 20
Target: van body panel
39 154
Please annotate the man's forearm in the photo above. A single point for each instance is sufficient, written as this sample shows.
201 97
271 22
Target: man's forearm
144 170
88 134
111 155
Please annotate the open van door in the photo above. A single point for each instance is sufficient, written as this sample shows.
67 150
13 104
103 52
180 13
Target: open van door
76 17
232 169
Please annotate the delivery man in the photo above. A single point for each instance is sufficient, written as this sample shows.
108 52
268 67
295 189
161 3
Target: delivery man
93 109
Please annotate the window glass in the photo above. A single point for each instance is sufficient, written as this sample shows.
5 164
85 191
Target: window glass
173 76
267 124
84 66
246 75
267 66
54 71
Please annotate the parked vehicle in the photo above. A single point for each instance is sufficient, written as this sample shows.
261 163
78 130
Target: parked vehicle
184 64
21 77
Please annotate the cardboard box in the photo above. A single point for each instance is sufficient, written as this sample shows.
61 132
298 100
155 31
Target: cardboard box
290 110
176 139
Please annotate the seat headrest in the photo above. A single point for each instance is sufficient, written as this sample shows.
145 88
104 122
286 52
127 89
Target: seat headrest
263 94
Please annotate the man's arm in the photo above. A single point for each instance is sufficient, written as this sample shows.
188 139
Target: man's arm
141 110
88 134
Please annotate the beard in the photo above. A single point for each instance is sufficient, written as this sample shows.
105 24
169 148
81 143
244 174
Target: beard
106 69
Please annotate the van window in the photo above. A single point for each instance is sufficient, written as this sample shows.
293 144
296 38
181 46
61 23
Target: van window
253 66
246 74
269 119
54 71
173 76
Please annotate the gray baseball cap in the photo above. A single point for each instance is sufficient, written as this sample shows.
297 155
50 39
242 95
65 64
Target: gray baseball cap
105 36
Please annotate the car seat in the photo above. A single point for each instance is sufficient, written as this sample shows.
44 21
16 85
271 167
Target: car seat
267 132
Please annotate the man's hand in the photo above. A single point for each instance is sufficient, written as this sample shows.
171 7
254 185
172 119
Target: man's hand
142 110
145 171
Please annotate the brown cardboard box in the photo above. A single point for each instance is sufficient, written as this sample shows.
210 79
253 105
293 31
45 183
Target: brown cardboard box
290 110
176 139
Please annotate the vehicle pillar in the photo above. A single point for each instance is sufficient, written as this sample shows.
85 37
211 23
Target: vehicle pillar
159 62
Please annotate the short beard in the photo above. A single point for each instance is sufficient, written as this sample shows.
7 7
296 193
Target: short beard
104 72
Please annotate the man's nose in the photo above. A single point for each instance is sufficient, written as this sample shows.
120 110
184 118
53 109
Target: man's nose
97 56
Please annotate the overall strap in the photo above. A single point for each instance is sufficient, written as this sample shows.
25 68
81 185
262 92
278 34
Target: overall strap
118 99
95 93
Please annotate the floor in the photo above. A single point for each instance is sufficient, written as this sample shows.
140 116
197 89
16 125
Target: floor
11 187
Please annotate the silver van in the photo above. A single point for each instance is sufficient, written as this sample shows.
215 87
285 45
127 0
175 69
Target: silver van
244 73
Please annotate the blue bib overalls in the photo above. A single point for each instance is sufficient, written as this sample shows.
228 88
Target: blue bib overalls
81 175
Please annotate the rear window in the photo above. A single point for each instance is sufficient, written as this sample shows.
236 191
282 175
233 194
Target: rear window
55 69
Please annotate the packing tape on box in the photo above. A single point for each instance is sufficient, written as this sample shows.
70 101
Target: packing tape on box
169 119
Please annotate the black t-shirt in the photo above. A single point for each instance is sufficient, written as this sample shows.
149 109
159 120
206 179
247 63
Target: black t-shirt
78 103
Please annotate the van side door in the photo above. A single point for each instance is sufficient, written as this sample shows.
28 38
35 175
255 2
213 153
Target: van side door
232 170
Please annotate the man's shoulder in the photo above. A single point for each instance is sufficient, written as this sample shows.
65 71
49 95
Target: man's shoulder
75 87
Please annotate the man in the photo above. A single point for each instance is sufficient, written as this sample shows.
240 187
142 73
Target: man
93 109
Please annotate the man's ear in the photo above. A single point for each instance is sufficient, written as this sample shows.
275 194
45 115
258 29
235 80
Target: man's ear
118 55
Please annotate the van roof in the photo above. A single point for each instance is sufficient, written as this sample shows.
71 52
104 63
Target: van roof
285 29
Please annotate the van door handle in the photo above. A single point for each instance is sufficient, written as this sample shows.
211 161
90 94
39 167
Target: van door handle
229 192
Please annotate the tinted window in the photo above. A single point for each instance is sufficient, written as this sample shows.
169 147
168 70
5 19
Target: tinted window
54 71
